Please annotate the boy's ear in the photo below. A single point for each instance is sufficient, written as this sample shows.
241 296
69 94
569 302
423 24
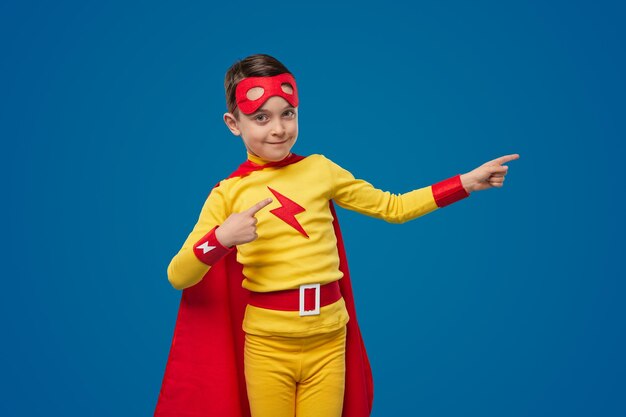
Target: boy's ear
231 123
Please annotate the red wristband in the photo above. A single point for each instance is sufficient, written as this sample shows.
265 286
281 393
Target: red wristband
449 191
209 250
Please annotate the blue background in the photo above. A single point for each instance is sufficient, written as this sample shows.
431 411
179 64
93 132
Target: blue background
509 303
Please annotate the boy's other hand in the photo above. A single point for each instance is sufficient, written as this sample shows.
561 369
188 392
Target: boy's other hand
488 175
240 228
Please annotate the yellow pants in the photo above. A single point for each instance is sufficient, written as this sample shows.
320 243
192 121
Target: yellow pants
296 376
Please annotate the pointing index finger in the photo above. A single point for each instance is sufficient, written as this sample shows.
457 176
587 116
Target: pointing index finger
258 206
506 158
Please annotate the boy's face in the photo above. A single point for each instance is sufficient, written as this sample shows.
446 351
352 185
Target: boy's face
270 132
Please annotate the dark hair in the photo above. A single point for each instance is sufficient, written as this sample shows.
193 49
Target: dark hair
259 65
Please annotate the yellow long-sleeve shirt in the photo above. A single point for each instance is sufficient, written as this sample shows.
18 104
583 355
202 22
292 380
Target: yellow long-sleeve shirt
283 257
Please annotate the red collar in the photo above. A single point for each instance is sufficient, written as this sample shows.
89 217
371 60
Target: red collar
247 167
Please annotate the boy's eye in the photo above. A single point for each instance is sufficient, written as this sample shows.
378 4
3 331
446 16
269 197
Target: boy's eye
289 113
260 117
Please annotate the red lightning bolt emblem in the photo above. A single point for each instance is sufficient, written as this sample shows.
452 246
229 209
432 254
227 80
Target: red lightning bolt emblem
288 211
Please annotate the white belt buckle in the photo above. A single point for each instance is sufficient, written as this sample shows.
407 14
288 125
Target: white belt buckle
316 310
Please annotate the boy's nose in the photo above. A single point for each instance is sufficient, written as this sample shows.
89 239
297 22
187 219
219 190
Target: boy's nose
278 128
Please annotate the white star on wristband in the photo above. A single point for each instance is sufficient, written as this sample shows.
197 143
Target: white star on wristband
205 248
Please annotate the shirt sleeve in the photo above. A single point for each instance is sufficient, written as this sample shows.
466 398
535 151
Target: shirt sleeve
201 248
361 196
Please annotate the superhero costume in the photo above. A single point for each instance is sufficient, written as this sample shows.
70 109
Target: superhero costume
204 371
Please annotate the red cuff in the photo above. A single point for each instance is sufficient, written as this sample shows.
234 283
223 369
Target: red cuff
449 191
209 250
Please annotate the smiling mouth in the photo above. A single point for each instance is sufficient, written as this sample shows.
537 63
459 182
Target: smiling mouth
277 143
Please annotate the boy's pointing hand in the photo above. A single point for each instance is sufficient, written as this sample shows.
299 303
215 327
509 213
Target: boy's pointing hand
488 175
240 228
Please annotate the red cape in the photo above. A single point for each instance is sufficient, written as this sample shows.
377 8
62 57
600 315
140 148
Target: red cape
204 373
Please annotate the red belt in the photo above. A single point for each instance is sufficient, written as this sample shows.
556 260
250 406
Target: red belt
307 299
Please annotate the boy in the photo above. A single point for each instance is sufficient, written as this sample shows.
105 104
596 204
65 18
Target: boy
271 228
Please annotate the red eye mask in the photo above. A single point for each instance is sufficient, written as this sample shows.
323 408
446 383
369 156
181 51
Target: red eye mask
272 86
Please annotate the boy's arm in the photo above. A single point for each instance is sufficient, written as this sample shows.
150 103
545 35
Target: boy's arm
201 248
361 196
